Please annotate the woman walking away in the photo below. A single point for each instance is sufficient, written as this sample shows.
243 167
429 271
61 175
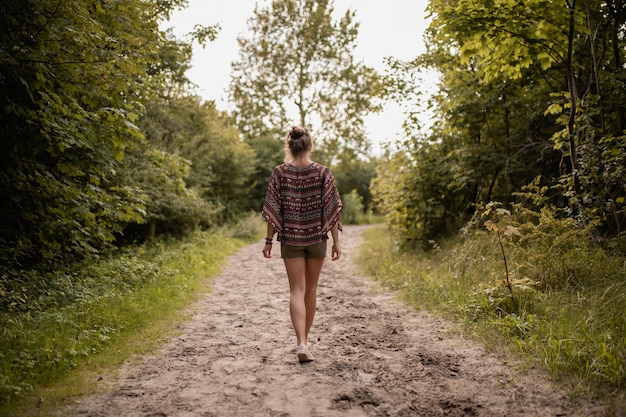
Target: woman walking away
302 205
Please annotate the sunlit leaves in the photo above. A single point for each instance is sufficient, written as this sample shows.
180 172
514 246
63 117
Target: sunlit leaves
506 37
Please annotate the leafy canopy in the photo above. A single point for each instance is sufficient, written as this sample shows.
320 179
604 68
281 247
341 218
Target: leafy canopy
296 67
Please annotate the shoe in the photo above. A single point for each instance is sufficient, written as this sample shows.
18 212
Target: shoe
303 354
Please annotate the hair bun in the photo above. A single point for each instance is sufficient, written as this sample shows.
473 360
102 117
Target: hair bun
298 142
297 132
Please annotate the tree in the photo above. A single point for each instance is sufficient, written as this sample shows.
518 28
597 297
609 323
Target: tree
269 152
572 47
75 77
528 90
296 67
356 174
220 164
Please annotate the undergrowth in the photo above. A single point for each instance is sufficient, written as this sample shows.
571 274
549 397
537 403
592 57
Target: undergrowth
548 292
98 313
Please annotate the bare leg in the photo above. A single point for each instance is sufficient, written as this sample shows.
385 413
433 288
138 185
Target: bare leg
313 270
296 272
303 277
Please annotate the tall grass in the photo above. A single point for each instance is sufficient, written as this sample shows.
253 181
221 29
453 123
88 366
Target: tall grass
126 304
569 314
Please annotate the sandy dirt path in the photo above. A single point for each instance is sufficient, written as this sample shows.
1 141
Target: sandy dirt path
236 357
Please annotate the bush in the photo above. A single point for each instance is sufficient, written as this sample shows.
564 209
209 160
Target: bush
352 212
249 227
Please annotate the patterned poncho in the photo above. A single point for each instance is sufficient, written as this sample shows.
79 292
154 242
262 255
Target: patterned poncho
302 203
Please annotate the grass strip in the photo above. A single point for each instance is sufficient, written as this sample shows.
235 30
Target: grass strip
575 327
130 306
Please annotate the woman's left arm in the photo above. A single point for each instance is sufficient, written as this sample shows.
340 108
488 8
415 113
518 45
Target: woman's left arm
334 231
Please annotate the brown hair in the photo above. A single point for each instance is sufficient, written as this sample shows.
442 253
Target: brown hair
297 142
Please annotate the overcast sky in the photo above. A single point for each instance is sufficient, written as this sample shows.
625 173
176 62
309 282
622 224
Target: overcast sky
387 28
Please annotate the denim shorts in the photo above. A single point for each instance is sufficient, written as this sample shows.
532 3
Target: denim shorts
316 250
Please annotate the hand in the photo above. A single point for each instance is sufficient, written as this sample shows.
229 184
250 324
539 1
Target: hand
267 250
336 251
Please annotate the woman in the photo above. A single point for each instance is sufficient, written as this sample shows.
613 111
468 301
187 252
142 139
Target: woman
302 204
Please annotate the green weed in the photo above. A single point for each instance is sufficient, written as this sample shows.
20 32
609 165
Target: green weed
570 295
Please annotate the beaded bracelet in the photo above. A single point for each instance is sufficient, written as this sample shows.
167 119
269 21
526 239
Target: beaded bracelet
268 241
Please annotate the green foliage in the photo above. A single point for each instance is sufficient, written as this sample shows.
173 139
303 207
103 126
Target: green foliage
527 89
87 84
352 208
269 153
68 115
354 173
502 233
296 67
248 227
101 145
220 164
100 305
420 193
171 207
506 37
530 112
602 169
76 79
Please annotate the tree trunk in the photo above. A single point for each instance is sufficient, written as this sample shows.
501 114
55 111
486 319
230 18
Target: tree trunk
573 93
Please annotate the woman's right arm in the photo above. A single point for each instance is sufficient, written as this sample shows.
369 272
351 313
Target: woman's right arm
267 249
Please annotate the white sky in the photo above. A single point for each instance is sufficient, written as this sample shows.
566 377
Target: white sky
387 28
